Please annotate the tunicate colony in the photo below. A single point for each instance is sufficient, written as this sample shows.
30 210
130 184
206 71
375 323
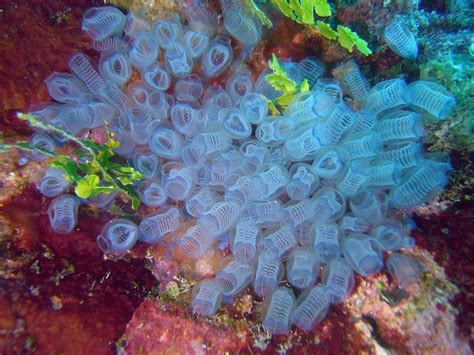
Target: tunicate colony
301 197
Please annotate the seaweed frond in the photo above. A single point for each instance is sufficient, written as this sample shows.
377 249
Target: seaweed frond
99 173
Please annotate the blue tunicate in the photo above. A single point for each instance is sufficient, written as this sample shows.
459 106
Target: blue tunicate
53 183
387 95
302 268
207 298
276 316
338 280
234 277
156 225
254 107
115 66
196 43
144 50
157 78
67 88
401 40
403 269
426 181
151 193
102 22
135 24
362 254
268 274
177 61
164 141
244 243
217 57
196 241
311 308
43 141
62 213
168 32
81 66
118 236
326 242
432 98
312 69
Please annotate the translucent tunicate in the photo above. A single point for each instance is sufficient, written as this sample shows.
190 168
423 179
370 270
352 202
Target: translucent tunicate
403 269
268 274
217 57
156 225
115 66
386 95
400 126
278 243
200 201
207 298
432 98
157 78
168 32
144 50
361 145
302 268
361 255
351 223
44 142
352 79
276 316
220 217
417 187
311 308
328 163
273 131
146 162
62 213
189 86
118 236
53 183
151 193
238 85
177 61
135 24
254 155
196 241
254 107
187 120
244 243
196 43
235 123
354 179
139 120
338 280
67 88
401 40
245 29
179 183
164 141
270 181
102 22
234 277
312 69
371 205
326 241
265 213
81 66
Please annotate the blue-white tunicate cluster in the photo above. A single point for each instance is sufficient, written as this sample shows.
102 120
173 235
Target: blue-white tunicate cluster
311 188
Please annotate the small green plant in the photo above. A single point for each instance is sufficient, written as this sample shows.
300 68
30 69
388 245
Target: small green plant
280 81
100 173
304 11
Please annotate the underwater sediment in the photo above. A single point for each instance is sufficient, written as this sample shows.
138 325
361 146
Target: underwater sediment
178 276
